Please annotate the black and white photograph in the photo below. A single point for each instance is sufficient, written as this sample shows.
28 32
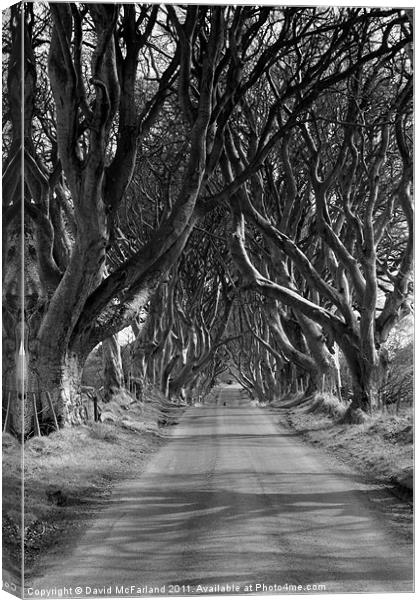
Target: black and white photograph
208 300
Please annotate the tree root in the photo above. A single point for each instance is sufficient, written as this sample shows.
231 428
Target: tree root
326 404
354 417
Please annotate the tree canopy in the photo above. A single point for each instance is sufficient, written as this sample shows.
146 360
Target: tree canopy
241 176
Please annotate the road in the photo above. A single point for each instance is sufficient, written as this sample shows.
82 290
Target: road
234 499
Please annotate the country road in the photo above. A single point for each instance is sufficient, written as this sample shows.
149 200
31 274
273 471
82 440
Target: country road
234 499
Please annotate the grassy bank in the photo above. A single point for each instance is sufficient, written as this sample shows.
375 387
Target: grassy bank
68 477
381 448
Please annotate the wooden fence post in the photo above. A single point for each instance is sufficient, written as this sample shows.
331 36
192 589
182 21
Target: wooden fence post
7 417
95 408
52 410
36 420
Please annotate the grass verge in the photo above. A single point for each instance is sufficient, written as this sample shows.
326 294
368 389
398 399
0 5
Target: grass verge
68 476
381 449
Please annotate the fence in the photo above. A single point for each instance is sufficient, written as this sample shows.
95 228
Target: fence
35 414
34 411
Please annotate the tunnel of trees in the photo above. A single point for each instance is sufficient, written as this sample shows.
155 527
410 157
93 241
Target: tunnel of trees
233 183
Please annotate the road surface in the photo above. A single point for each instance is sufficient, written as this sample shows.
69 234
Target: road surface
233 501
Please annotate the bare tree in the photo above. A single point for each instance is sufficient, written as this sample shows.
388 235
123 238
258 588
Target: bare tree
123 77
358 161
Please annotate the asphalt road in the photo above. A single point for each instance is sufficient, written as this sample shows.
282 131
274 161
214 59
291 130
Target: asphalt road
234 500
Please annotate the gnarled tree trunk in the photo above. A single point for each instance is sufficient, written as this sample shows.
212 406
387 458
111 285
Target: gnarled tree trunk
113 368
367 379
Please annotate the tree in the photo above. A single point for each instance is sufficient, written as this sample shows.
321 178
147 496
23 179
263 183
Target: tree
357 158
187 320
112 71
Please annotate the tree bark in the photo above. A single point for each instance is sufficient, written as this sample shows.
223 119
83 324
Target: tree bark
60 375
367 378
113 369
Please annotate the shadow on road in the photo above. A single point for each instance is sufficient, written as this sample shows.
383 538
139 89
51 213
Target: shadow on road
178 514
232 498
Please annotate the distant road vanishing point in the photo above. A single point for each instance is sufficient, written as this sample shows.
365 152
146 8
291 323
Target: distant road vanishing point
232 502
